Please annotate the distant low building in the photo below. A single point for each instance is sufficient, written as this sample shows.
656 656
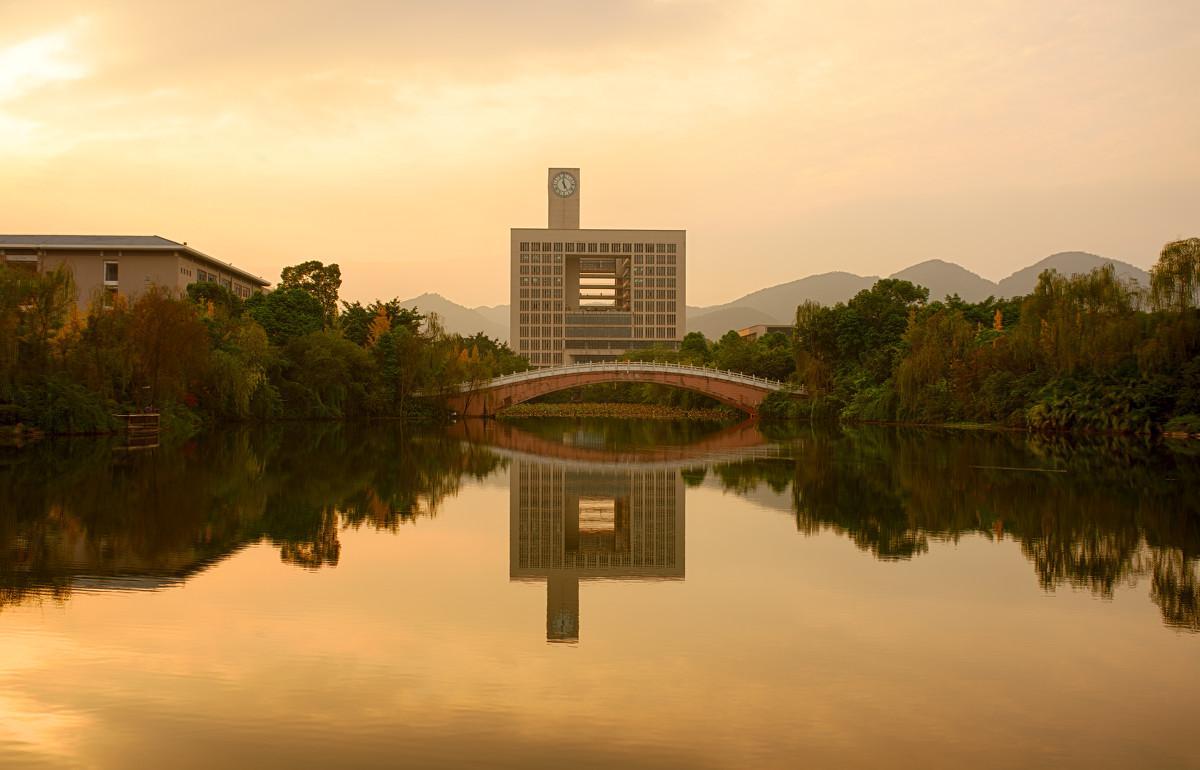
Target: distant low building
107 265
752 333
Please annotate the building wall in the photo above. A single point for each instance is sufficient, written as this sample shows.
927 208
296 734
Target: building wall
138 270
656 302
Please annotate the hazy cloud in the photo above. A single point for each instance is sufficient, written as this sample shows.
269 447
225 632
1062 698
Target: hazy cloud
804 137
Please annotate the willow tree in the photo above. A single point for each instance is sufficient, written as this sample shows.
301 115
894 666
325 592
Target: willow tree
1175 280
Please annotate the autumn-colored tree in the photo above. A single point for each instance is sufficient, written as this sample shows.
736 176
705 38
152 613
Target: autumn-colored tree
170 344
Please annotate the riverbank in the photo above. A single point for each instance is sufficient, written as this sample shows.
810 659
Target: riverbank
620 411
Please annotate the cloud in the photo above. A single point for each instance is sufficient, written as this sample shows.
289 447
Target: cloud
786 128
39 61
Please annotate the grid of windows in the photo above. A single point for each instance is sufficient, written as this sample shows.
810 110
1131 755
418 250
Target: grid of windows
607 296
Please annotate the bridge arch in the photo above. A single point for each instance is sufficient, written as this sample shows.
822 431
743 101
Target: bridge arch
741 391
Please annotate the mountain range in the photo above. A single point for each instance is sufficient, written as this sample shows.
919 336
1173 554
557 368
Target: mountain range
777 304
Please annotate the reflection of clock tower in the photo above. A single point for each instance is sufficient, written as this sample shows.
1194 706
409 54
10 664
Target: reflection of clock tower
563 192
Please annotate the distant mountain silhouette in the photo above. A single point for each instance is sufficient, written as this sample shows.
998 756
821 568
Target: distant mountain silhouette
946 278
1067 263
777 304
461 320
497 314
940 277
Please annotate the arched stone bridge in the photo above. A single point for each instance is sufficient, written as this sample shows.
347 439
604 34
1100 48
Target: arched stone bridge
483 399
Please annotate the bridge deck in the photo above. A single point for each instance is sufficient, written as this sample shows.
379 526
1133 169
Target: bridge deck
611 367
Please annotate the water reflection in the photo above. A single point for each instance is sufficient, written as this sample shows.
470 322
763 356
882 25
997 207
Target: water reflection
599 500
570 523
1092 514
80 515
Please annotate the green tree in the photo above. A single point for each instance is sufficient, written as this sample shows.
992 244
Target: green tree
318 279
286 313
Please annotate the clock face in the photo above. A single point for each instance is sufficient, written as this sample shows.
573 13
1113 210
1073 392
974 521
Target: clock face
563 184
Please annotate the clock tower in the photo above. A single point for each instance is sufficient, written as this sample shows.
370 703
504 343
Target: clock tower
562 189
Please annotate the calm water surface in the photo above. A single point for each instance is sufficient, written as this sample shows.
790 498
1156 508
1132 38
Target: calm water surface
591 594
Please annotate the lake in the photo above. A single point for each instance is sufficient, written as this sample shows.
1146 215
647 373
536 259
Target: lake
600 594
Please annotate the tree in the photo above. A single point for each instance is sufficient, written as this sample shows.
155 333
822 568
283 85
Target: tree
170 343
694 348
356 319
1175 280
211 294
320 280
286 313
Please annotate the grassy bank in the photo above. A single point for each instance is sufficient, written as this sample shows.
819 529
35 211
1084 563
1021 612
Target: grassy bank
624 411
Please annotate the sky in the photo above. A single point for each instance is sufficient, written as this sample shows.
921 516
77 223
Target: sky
402 139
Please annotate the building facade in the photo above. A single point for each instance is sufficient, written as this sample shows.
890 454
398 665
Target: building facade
107 265
583 296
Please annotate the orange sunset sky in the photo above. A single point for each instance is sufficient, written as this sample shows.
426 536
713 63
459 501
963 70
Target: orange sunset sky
403 139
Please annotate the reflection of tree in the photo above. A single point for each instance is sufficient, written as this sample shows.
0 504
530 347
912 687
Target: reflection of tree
1175 588
82 508
1120 513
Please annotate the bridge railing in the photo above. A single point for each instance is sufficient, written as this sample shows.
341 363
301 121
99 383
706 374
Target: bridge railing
625 366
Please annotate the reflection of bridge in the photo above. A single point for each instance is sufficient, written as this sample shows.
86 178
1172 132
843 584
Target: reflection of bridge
741 391
733 443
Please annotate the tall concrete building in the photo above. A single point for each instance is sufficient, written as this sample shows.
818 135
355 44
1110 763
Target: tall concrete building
581 296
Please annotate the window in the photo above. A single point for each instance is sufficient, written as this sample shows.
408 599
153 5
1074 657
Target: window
591 247
524 245
558 246
671 249
110 273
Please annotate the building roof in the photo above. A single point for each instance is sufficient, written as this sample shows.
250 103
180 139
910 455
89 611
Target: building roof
138 241
148 242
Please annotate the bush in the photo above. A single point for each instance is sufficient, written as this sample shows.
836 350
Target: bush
58 405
